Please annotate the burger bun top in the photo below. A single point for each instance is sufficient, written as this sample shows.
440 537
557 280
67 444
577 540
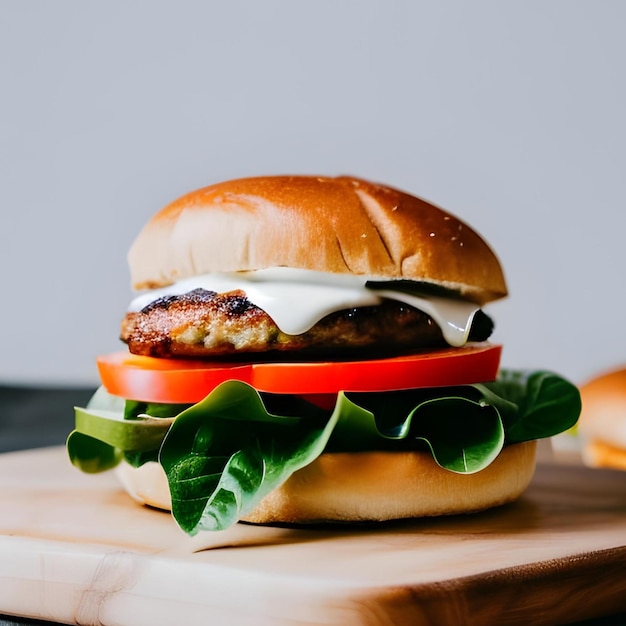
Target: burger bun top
337 225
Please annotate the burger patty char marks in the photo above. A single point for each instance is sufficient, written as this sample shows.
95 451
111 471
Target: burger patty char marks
202 324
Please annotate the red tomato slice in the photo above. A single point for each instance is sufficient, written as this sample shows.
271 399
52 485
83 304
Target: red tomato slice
188 381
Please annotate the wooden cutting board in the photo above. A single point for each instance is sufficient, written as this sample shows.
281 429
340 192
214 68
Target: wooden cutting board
75 549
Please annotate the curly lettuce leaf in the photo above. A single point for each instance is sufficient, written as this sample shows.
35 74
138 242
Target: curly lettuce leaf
225 453
463 433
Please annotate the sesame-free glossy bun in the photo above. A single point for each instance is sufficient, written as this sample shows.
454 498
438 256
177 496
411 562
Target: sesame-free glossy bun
337 225
367 487
602 423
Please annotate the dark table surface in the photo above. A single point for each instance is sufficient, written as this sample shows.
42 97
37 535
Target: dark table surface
39 417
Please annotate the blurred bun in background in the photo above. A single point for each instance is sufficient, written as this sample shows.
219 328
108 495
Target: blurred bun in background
602 424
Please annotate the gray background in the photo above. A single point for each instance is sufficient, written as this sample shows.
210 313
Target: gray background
509 114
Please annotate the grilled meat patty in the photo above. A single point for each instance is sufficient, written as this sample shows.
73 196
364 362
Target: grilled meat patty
205 324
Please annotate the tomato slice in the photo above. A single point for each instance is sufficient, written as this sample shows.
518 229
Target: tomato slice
150 379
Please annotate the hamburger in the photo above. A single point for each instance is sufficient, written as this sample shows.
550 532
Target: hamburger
312 349
602 425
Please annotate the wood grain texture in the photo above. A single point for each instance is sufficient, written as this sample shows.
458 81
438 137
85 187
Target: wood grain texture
75 549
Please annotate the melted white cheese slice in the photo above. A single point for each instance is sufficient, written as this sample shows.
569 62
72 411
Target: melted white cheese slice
297 299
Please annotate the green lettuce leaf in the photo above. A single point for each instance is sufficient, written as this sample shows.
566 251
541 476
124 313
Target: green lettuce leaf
225 453
463 434
134 410
91 455
106 431
533 404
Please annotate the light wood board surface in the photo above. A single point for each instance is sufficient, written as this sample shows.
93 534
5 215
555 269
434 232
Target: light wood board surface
75 549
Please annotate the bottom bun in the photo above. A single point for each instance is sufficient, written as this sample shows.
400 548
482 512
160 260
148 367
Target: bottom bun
367 486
